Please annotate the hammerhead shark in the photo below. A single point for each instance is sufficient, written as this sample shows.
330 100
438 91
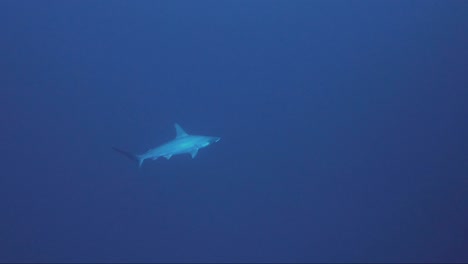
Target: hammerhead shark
181 144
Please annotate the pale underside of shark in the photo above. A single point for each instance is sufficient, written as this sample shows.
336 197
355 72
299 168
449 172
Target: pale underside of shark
183 143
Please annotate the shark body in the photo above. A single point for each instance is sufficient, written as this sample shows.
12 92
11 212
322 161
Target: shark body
183 143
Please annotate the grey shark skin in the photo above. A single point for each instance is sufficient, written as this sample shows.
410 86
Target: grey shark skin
183 143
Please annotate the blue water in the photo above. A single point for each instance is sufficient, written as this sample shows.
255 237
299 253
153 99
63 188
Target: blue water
344 131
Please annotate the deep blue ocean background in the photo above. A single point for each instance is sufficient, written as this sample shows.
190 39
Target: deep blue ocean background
344 129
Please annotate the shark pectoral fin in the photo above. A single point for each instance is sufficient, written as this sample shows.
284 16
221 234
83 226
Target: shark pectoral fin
168 156
194 153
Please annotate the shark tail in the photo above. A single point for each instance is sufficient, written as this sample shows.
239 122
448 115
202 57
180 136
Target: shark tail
131 156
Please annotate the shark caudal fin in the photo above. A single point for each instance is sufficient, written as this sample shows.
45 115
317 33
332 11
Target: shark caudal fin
131 156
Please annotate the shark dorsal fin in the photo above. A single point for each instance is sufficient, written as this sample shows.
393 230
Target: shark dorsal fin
179 131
